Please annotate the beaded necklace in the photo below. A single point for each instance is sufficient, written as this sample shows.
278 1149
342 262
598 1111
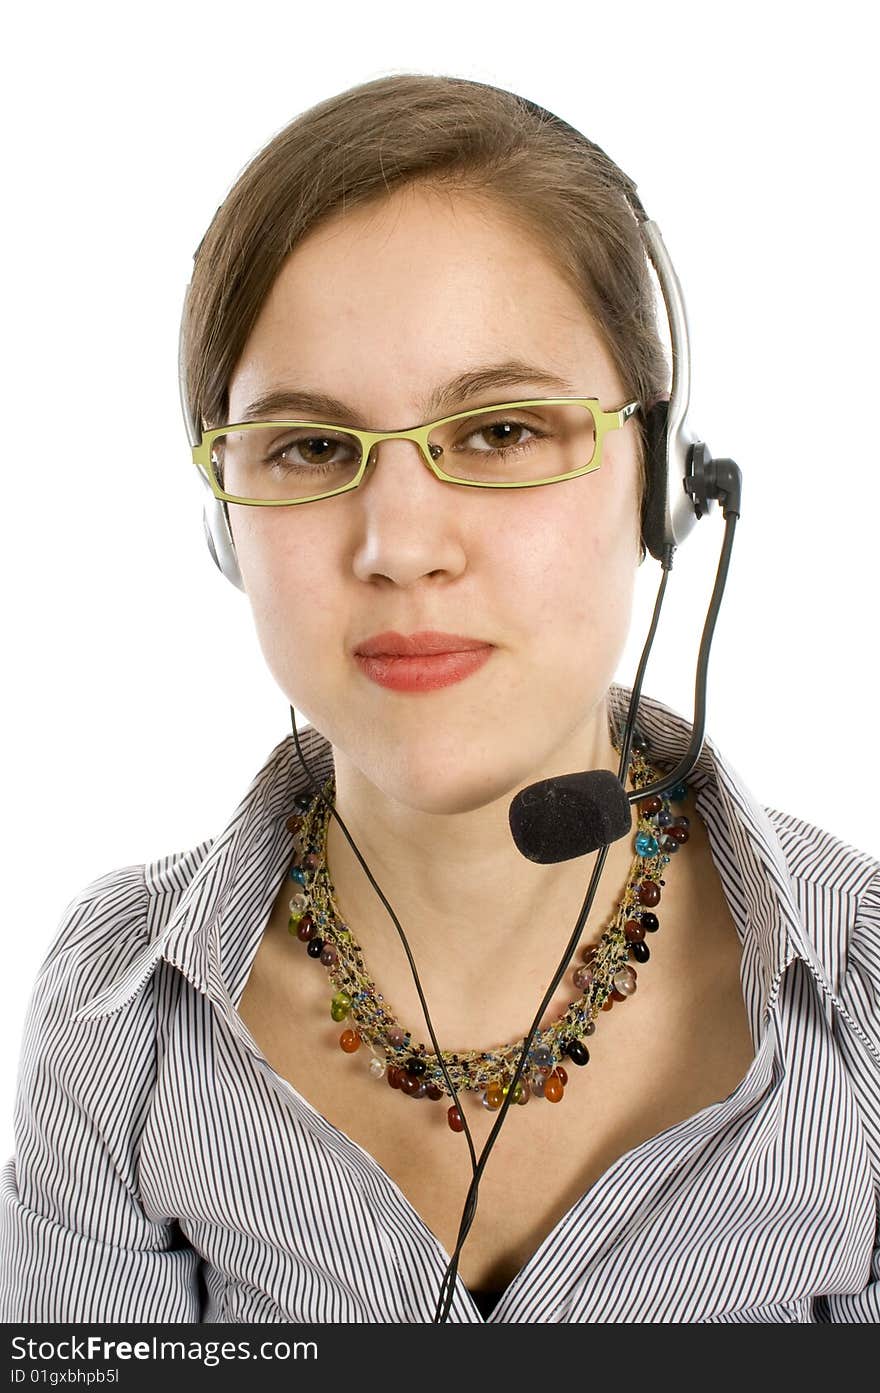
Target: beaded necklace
604 976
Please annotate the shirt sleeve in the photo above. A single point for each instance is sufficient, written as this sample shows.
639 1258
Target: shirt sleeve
860 995
75 1242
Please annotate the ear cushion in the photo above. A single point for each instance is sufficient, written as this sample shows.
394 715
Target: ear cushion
655 501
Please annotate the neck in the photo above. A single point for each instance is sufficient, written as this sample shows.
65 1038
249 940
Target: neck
480 919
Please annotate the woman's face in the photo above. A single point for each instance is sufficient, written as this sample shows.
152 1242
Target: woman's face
379 309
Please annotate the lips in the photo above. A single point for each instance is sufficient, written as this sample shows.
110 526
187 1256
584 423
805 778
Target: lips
425 644
420 662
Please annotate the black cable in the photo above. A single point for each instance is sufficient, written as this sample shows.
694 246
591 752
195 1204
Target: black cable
730 508
669 780
447 1287
400 932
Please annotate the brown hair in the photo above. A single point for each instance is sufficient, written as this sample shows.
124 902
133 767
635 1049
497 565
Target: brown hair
445 131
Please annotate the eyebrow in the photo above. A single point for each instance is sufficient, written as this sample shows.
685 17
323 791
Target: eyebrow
318 406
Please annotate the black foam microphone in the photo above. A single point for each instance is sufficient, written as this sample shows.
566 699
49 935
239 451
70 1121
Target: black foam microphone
559 819
570 816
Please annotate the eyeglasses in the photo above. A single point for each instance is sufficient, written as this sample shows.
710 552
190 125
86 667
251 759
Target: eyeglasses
519 444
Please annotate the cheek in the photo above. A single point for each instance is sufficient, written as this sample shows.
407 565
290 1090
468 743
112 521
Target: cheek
278 554
574 563
285 570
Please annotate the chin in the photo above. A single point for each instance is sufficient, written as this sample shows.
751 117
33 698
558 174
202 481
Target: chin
445 787
442 767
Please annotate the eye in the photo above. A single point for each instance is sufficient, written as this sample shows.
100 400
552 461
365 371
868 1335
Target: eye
312 451
497 436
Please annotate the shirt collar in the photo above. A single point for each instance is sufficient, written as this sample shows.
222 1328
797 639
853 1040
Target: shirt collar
256 836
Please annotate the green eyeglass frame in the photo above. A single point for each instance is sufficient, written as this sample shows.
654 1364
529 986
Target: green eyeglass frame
603 421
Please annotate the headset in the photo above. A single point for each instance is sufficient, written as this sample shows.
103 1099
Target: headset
578 813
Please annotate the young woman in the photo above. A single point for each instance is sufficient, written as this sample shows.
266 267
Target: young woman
693 1134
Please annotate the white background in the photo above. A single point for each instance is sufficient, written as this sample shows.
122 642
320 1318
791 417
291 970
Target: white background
136 703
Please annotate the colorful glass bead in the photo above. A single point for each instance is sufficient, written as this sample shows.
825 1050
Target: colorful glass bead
577 1051
649 892
311 861
553 1089
453 1117
678 834
303 801
394 1075
329 954
298 903
608 1002
412 1085
395 1037
649 806
625 980
522 1093
582 978
590 1028
562 1075
665 818
669 846
298 874
646 845
651 922
377 1067
677 794
542 1057
416 1065
349 1041
536 1084
340 1006
305 927
633 930
315 947
494 1096
640 951
616 995
434 1091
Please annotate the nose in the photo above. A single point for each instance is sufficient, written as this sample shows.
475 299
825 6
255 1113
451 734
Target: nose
409 522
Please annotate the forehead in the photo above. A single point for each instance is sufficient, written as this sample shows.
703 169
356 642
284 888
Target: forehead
379 305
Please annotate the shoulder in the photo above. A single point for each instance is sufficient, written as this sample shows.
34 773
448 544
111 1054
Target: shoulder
103 943
102 926
837 887
106 929
819 858
835 883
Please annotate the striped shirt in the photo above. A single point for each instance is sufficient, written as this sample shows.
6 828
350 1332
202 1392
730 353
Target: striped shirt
164 1172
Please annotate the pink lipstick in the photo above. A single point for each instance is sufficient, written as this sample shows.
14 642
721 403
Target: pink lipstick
420 662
